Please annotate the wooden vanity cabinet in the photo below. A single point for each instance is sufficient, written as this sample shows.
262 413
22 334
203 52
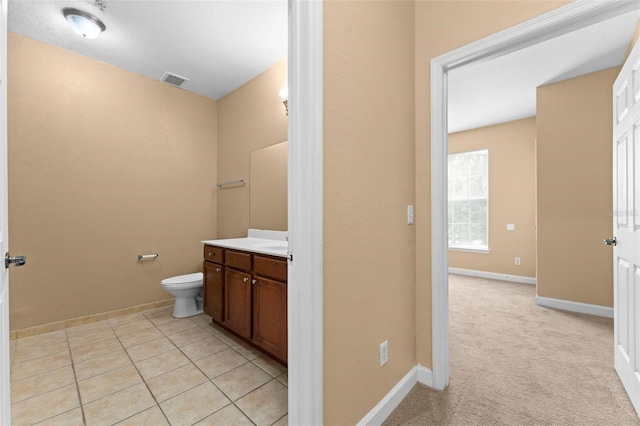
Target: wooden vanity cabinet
213 290
237 292
270 316
248 294
270 305
237 302
213 283
238 259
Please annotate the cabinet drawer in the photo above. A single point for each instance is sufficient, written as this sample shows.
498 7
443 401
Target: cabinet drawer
213 254
270 267
238 259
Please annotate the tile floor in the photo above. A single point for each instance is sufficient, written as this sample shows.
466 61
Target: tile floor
146 368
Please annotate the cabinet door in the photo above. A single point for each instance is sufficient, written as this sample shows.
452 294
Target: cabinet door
270 316
213 290
237 302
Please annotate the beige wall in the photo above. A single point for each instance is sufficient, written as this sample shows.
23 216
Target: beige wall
249 118
369 258
128 190
376 95
441 26
574 167
511 197
103 164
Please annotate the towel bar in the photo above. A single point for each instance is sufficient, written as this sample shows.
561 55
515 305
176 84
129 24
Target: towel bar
147 256
231 182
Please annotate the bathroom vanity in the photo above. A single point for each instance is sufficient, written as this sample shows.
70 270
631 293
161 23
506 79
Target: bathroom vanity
245 290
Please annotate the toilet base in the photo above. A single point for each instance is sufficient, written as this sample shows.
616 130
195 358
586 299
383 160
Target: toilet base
185 307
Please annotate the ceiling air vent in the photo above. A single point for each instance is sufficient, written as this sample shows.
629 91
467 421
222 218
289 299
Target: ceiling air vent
174 80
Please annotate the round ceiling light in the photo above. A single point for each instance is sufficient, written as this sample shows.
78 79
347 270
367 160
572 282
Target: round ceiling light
83 23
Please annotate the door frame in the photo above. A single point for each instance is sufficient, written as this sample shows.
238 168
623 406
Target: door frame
305 123
5 344
305 350
571 17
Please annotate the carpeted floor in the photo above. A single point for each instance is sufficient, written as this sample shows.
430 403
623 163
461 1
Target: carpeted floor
514 363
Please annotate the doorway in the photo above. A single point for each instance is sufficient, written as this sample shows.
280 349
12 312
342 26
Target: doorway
305 215
564 20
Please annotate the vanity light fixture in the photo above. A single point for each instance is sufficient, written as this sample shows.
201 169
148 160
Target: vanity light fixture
83 23
284 94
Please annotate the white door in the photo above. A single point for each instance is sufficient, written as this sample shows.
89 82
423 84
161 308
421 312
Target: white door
626 224
5 397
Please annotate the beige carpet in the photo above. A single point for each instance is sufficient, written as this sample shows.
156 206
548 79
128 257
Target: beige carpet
515 363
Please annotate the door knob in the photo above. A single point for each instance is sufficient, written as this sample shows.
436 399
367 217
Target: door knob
16 260
611 241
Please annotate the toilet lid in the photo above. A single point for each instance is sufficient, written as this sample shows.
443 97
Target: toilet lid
195 278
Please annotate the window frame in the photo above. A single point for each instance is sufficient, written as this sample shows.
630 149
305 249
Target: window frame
466 247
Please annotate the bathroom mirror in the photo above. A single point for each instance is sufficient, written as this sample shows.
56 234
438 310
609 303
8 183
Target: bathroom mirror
268 188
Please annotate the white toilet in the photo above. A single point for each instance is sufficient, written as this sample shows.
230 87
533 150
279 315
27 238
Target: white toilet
188 292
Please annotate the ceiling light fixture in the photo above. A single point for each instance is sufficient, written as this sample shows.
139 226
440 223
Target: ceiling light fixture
83 23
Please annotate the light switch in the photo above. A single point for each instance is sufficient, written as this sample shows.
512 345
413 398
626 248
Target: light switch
511 227
409 214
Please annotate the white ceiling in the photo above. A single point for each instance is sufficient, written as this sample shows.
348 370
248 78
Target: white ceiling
504 89
218 45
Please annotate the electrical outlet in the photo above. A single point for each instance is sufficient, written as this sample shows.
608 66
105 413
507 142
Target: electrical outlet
517 260
384 353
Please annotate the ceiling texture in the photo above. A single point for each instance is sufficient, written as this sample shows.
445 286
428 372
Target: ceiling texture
217 45
504 89
221 44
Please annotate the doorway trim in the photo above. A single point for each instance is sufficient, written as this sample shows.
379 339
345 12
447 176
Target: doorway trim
560 21
305 129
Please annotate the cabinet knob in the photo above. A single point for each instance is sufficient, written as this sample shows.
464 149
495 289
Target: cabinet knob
245 279
254 281
210 254
218 269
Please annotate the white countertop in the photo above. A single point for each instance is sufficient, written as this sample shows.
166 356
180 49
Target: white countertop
272 243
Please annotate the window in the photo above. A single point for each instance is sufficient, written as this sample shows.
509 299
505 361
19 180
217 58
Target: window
468 190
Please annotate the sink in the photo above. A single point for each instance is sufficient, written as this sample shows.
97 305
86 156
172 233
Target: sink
275 245
280 247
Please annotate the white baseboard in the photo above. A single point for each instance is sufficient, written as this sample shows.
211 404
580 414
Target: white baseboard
418 374
425 376
568 305
493 276
385 407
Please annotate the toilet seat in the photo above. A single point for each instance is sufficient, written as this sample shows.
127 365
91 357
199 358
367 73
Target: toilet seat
183 281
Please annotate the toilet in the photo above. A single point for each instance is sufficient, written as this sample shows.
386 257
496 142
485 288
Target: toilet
188 292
